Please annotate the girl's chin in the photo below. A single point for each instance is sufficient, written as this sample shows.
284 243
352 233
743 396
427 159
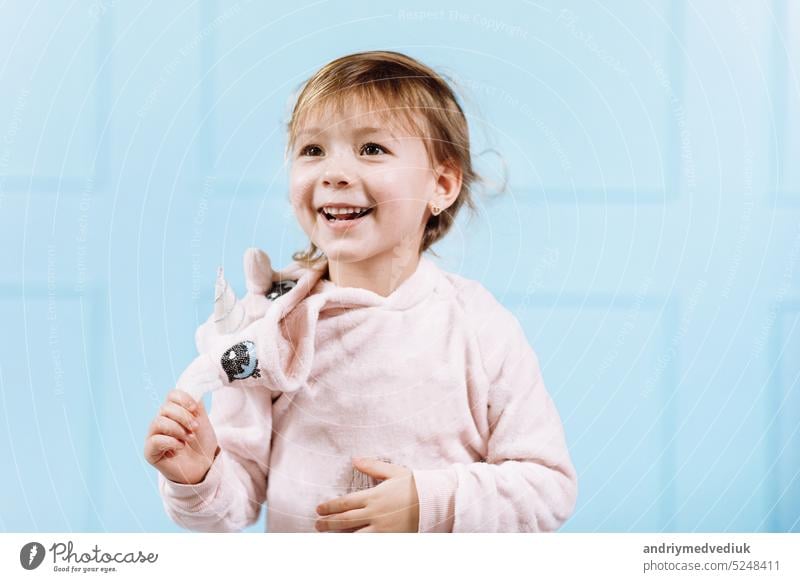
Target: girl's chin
347 251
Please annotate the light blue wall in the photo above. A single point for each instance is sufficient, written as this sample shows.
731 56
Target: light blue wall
648 242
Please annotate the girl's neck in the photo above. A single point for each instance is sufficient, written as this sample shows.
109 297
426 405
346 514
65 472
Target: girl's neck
381 275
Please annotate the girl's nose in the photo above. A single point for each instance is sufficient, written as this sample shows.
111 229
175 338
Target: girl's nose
337 172
336 179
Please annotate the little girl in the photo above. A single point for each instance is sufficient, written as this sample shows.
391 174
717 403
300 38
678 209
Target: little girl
379 393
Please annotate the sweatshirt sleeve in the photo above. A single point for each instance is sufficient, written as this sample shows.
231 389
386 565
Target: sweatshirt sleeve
527 482
231 495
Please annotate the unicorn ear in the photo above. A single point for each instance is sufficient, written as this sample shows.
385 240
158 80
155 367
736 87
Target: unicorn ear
257 271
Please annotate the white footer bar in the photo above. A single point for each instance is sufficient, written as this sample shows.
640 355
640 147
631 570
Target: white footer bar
287 557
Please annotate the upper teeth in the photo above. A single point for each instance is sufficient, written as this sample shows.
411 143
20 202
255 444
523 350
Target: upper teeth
331 210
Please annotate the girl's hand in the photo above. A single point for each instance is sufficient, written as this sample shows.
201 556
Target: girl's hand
181 443
391 506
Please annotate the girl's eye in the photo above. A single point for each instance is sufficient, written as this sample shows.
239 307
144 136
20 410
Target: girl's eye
311 150
372 149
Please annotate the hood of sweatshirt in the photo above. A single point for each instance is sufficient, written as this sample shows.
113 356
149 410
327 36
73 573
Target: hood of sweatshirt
276 346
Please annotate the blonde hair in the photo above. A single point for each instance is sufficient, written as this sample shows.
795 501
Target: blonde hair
397 87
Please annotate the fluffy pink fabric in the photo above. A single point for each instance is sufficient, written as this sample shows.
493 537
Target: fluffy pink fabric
438 376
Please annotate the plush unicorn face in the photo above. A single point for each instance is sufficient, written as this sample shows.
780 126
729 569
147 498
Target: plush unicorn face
240 361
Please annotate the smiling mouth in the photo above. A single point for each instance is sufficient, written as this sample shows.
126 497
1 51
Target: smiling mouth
344 217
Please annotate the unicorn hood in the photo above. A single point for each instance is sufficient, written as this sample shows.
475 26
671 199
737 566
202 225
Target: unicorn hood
268 337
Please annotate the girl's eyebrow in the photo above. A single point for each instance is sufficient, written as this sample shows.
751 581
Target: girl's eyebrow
357 131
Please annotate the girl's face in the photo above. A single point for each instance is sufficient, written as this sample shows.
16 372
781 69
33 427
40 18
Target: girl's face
355 161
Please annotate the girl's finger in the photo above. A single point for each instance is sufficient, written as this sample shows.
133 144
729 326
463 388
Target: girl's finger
348 502
180 415
368 529
341 521
184 399
167 426
162 443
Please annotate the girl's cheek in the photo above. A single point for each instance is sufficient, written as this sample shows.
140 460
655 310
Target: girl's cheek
300 191
294 198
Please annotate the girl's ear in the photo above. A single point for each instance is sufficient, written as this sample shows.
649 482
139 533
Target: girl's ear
448 183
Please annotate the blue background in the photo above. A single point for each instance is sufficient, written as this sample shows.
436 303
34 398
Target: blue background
648 240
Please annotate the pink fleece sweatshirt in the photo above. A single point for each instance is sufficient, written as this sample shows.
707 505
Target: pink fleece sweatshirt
438 377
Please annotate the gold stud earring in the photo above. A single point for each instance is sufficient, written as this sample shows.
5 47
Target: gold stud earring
435 210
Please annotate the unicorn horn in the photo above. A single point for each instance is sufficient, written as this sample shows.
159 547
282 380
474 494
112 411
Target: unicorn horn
228 312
